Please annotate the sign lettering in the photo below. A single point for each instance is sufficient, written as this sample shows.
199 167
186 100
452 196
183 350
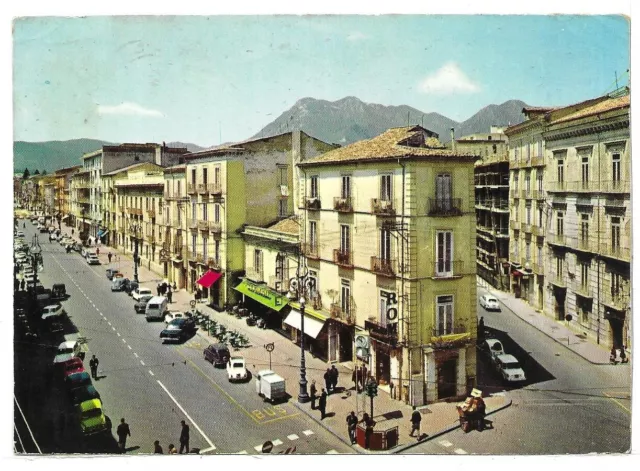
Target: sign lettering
392 309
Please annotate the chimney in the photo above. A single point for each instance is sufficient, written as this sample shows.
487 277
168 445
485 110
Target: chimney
453 140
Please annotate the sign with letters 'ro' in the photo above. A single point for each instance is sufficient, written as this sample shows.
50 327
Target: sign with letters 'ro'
392 307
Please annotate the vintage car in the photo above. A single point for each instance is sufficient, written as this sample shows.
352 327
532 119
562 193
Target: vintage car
218 354
236 369
178 330
92 418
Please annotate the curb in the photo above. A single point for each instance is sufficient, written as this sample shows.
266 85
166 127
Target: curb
543 331
445 430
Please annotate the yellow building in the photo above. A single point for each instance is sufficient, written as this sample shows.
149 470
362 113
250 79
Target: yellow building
63 191
389 236
175 225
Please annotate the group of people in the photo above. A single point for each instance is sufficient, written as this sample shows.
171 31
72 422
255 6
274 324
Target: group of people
124 431
352 424
331 379
330 382
166 289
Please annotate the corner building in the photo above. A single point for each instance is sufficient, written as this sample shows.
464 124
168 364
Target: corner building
388 226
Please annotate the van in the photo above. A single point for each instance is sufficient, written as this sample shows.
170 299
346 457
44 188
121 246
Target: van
156 308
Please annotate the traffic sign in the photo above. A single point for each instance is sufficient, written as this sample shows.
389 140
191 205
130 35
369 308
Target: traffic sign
267 446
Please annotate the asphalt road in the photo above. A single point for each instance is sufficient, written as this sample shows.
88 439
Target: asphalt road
563 408
154 386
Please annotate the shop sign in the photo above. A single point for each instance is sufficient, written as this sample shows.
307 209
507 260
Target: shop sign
264 292
392 307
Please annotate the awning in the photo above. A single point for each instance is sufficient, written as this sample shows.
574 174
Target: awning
312 327
100 233
209 278
262 294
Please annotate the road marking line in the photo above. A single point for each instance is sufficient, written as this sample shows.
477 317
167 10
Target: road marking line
308 432
277 442
142 363
243 452
113 328
212 446
129 347
460 451
618 402
258 448
135 354
124 341
293 436
151 373
118 334
445 443
332 452
109 323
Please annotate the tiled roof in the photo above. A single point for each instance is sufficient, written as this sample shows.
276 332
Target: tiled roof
289 226
390 145
601 107
129 167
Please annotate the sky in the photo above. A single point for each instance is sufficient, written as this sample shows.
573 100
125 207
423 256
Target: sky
202 79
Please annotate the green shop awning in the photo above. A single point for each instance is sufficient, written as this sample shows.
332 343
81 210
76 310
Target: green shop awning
262 294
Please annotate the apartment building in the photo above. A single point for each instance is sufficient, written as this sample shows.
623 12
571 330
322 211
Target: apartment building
228 187
572 228
63 190
492 203
174 259
389 237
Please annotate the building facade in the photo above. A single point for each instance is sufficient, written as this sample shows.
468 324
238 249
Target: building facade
389 238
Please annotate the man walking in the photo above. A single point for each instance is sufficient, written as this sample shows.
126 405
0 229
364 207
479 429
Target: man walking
334 378
157 449
313 390
22 284
169 294
328 380
123 431
322 404
184 437
93 364
352 422
109 255
416 418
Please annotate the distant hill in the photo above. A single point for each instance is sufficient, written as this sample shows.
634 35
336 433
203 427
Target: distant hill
349 119
190 147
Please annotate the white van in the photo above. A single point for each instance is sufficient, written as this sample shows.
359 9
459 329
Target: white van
156 308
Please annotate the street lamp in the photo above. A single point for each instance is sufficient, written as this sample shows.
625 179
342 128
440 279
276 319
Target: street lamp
36 259
299 287
134 227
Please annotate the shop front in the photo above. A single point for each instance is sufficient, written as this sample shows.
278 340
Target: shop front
262 301
208 283
316 332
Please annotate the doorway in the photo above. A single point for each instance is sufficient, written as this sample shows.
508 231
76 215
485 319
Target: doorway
447 378
383 365
559 296
616 331
346 345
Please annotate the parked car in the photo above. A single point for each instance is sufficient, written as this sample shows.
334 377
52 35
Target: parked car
92 418
178 330
71 366
509 369
19 234
139 292
58 291
171 315
92 259
491 348
141 305
236 369
490 303
54 310
76 380
218 354
68 350
131 287
111 272
119 284
83 393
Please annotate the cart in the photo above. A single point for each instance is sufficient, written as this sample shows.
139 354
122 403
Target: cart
471 412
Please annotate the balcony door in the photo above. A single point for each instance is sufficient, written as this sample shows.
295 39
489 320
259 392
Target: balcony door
345 239
444 253
443 191
444 315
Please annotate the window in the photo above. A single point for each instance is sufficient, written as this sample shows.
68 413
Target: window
444 315
616 285
193 243
385 187
539 177
345 296
205 241
615 233
585 171
528 212
529 146
560 167
193 176
559 267
179 216
345 239
282 175
313 284
495 149
444 253
516 181
443 191
560 223
527 251
179 189
205 173
382 318
385 244
216 249
216 213
313 235
540 213
280 262
257 261
346 187
616 169
204 211
193 211
282 207
540 257
584 275
516 248
314 186
584 228
527 183
216 175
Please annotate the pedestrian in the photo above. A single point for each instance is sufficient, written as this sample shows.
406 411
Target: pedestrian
368 432
352 422
313 391
481 328
613 355
158 289
334 378
72 232
123 431
93 364
98 251
175 286
22 284
16 284
184 437
169 294
322 404
172 449
328 380
109 255
157 449
416 417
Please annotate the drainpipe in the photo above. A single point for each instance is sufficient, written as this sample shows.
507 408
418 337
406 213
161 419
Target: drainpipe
402 262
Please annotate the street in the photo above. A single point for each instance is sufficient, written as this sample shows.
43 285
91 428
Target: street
154 386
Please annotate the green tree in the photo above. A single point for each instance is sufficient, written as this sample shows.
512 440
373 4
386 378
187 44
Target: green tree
26 174
44 172
37 172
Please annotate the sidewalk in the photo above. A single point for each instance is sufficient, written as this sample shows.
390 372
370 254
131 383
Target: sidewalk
556 330
438 418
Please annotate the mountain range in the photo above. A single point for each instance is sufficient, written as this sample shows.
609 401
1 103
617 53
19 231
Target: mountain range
342 122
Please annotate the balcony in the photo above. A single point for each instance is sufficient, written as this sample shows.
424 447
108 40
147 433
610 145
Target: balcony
444 330
193 225
312 203
279 284
310 250
557 239
254 274
445 207
447 269
583 291
615 186
538 268
135 211
558 280
202 189
537 161
538 194
382 207
191 189
214 263
585 245
83 201
501 232
557 186
527 194
203 226
151 213
615 300
537 230
615 252
515 225
343 205
337 313
383 266
515 163
386 334
214 189
526 228
122 227
215 227
343 258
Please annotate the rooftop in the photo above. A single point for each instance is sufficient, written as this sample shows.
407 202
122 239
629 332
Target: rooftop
129 167
601 107
395 143
289 226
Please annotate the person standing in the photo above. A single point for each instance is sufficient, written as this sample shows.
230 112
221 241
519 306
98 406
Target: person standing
416 418
98 251
352 422
93 364
327 380
123 431
22 284
169 294
184 437
322 404
157 449
334 377
313 391
109 255
481 328
368 432
158 289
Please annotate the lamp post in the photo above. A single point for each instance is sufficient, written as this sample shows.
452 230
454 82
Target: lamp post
36 258
299 287
134 227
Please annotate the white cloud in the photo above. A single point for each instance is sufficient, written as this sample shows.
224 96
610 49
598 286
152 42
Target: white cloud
448 79
357 36
129 109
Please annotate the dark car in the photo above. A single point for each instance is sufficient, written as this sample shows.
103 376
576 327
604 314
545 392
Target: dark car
119 284
218 354
178 330
111 272
141 305
83 393
76 380
59 291
130 287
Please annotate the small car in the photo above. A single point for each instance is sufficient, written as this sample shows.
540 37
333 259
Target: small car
140 291
92 259
509 369
491 348
172 315
130 287
178 330
58 291
119 284
490 303
236 369
218 354
19 234
71 366
68 350
111 273
54 310
75 380
141 305
83 393
92 418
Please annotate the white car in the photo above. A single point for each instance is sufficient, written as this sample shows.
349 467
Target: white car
491 348
236 369
171 315
55 310
510 369
28 278
489 302
92 259
139 292
68 350
19 234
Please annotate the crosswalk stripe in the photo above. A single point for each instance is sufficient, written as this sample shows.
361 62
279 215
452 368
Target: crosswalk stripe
258 448
243 452
277 442
308 432
293 436
459 451
332 452
445 443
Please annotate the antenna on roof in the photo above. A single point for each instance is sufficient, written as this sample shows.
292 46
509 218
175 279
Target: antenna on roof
408 113
422 121
616 74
